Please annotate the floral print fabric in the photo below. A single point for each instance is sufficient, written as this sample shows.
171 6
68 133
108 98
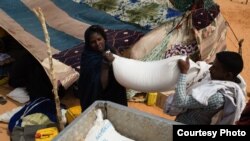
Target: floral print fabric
146 13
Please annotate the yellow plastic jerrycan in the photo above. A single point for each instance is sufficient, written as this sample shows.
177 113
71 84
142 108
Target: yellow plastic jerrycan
72 113
46 134
151 98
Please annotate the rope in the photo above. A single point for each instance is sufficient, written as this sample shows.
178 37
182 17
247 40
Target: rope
179 24
240 42
242 2
232 42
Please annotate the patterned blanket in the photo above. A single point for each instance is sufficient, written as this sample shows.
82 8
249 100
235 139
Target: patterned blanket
146 13
121 39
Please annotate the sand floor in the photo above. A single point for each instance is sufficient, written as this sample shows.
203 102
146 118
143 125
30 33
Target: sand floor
69 100
238 17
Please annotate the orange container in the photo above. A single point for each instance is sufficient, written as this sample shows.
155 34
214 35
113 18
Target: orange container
73 113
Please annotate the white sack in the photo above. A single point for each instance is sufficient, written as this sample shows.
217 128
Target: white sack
19 94
103 130
154 76
5 117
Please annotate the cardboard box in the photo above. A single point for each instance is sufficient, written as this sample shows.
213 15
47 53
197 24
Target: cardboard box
162 97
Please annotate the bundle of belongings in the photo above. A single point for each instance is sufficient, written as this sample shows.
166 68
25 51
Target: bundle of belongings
31 117
5 62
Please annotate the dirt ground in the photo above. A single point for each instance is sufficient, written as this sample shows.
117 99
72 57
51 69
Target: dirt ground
237 13
238 17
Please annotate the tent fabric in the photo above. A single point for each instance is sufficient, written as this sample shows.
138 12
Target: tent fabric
212 39
67 22
18 11
198 15
146 13
66 27
35 46
155 44
84 13
61 20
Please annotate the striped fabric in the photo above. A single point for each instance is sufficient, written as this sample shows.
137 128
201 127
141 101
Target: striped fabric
66 23
66 20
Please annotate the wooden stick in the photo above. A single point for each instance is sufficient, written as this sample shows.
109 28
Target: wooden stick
240 46
39 14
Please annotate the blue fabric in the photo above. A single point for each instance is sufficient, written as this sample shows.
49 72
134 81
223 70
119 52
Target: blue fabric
89 85
28 20
183 5
46 107
173 13
85 13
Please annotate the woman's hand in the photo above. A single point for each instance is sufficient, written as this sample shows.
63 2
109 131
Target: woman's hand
108 56
184 65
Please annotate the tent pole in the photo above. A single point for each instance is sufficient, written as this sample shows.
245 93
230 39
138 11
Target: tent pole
39 14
